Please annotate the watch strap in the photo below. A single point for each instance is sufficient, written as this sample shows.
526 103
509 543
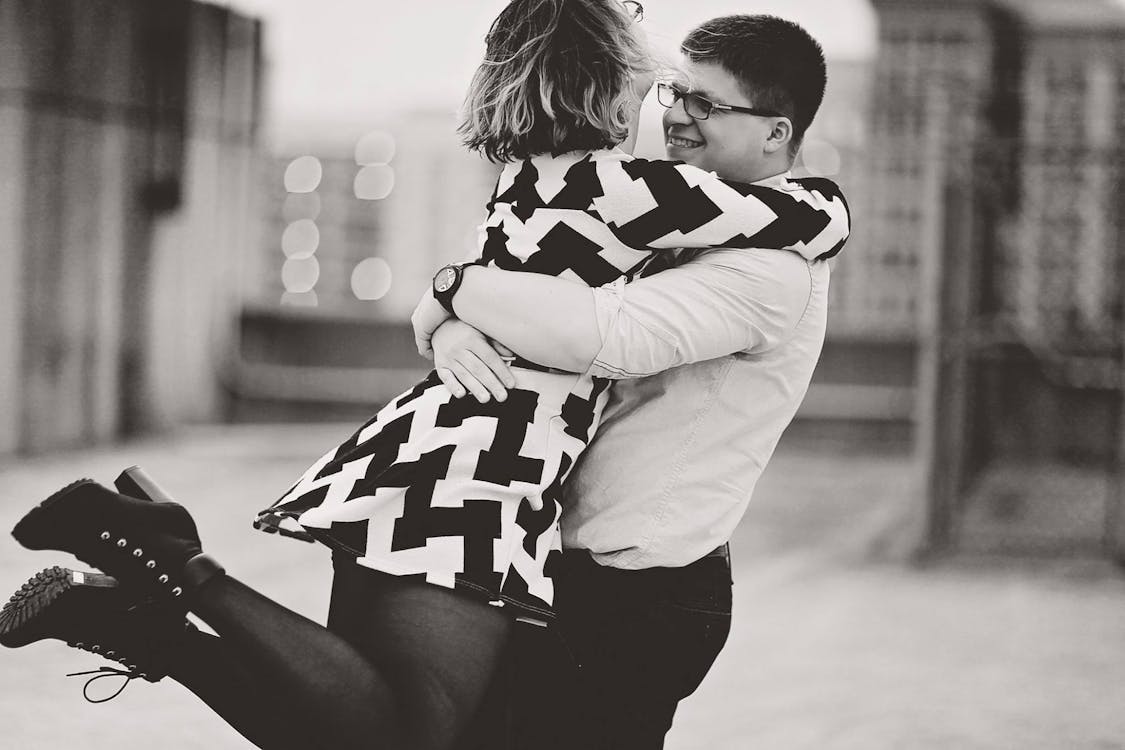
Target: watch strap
445 295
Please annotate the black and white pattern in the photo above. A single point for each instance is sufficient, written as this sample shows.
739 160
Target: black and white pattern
465 494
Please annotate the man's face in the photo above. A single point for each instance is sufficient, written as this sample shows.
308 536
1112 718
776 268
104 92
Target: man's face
728 143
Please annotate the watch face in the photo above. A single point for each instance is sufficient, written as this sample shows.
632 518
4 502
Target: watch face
444 279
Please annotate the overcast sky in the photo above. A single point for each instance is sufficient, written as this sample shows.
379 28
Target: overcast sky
353 63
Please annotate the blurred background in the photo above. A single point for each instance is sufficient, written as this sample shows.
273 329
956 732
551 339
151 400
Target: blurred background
215 220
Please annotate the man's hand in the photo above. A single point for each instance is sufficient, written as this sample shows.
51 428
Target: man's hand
466 360
427 316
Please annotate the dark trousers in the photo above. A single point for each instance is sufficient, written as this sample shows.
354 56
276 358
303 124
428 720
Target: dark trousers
628 645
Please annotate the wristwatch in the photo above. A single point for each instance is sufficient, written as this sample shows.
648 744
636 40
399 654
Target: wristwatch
447 281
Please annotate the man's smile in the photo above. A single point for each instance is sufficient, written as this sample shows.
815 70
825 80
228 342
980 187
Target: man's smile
679 141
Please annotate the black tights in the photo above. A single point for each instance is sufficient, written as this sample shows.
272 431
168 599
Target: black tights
402 663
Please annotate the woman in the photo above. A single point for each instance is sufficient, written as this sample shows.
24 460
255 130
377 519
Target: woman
438 510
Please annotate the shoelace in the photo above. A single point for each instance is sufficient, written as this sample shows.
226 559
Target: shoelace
101 672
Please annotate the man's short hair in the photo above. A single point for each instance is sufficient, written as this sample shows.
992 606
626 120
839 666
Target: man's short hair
779 65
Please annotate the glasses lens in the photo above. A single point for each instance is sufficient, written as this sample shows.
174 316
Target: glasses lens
696 106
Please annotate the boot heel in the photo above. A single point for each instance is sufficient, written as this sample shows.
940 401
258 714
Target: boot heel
136 482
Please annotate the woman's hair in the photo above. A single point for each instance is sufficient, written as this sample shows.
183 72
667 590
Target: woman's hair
557 76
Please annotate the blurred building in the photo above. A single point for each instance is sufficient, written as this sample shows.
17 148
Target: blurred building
352 237
993 217
863 388
128 146
438 203
409 195
1062 248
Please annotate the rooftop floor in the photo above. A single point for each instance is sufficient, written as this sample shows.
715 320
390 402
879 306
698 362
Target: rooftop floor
837 643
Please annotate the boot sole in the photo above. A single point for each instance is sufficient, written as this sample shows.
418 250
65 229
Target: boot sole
36 523
44 594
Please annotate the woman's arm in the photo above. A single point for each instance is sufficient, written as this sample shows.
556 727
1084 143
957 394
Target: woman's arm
661 205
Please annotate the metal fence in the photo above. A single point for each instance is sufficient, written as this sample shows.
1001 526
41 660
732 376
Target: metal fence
1025 371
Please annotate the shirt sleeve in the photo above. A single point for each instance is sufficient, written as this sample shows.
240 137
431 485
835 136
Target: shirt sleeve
660 205
722 302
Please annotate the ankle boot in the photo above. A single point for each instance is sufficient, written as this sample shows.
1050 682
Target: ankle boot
151 547
90 611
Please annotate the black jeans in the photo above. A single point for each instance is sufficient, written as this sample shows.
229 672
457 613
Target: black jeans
628 645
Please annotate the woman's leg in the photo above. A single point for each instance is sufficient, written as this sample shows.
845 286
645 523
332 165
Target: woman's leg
410 673
440 648
218 675
424 656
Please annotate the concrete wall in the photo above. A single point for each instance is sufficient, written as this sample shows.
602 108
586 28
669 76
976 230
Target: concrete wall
127 145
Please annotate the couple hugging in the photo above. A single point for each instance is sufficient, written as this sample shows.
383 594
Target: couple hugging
529 546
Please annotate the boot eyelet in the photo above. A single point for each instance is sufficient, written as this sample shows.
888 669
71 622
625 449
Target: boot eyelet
177 591
163 578
105 536
122 543
80 645
111 654
150 564
96 648
138 552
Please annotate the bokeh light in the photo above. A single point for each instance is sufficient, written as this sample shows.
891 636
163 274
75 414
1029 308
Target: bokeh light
300 299
374 182
377 147
371 279
300 239
820 157
301 206
303 174
300 274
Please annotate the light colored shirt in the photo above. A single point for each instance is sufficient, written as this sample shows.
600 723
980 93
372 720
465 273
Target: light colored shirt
713 358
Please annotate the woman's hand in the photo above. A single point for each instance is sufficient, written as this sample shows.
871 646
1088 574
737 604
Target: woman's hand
427 316
466 361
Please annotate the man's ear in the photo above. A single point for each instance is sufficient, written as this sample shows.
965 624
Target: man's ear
780 137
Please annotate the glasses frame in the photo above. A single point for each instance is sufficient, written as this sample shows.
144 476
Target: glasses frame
635 10
679 94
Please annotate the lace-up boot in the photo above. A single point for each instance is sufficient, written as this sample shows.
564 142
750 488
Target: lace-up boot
90 611
150 547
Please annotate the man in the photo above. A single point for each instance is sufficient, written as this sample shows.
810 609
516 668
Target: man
713 358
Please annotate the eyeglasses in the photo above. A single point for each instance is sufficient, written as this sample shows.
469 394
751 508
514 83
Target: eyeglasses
635 10
699 108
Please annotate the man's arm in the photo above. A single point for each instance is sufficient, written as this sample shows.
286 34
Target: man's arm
541 318
721 302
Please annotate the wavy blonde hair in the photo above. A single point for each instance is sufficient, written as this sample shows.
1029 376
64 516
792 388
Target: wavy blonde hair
557 76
